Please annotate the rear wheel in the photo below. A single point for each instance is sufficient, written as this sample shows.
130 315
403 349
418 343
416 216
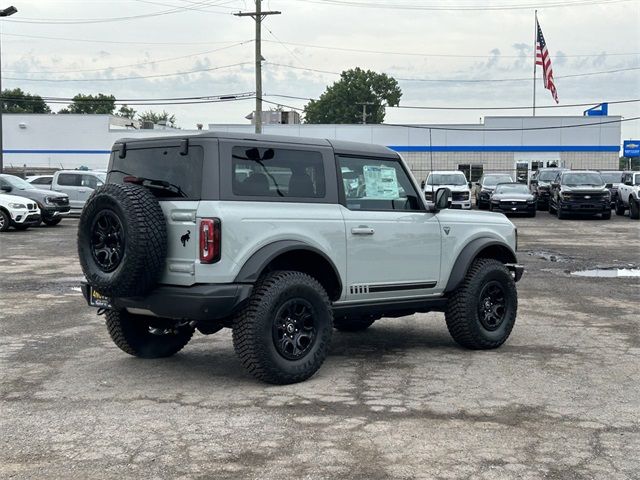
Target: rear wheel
619 207
283 334
634 209
357 324
146 337
481 313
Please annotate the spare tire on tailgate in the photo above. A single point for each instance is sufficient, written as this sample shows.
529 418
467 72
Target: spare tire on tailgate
122 240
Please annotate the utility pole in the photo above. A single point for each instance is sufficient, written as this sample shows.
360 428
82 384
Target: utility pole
258 16
6 12
364 110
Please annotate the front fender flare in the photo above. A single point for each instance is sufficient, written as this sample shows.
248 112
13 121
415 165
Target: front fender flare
469 254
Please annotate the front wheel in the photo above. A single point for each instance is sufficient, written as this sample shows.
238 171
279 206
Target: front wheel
51 221
634 208
481 313
146 337
606 215
283 334
5 221
620 207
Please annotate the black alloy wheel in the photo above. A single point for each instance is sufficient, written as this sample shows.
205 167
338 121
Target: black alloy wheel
294 329
492 306
107 240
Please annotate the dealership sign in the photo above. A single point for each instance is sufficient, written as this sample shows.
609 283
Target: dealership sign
631 148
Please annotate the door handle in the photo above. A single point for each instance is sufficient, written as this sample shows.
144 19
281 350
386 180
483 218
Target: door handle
362 230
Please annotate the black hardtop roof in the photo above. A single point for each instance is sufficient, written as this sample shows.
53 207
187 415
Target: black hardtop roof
339 146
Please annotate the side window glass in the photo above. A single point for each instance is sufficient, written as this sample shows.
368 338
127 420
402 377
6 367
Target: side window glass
372 184
276 172
89 181
69 179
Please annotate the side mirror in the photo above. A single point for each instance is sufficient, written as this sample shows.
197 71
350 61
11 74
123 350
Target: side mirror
470 185
534 182
422 183
6 188
442 199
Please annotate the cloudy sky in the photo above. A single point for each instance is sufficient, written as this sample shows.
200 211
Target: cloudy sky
433 47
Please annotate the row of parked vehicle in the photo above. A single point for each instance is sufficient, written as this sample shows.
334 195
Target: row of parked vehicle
560 191
44 199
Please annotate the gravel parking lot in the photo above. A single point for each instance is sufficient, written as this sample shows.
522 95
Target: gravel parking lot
560 400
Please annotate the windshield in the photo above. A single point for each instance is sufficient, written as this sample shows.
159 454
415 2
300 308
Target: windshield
611 177
512 188
447 179
547 175
17 182
493 180
582 178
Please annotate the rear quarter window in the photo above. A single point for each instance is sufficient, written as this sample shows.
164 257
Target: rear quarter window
163 170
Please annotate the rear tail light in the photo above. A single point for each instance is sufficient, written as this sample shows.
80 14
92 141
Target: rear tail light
210 240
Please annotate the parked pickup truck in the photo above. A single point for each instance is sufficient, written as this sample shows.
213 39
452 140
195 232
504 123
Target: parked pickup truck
628 195
77 184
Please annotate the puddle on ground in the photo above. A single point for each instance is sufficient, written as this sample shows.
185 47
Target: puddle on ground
608 272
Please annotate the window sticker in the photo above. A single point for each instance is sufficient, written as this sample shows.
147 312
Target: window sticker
381 182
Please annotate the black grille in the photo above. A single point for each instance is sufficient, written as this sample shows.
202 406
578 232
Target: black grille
60 200
587 196
458 196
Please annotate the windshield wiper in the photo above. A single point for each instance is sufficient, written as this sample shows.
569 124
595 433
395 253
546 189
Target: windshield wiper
153 183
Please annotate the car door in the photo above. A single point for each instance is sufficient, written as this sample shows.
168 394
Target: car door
393 243
88 184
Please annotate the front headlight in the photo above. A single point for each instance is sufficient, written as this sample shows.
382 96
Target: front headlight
18 205
533 200
566 195
48 200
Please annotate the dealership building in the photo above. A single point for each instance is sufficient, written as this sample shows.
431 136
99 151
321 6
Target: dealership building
513 144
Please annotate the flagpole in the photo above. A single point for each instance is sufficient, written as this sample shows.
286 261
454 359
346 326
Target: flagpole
535 59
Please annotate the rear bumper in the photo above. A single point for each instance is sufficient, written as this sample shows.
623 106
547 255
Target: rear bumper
198 302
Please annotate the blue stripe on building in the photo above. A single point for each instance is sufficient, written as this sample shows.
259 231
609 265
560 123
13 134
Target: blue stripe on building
505 148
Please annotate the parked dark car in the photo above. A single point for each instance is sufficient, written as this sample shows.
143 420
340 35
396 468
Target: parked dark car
511 198
486 185
613 179
53 205
579 192
540 185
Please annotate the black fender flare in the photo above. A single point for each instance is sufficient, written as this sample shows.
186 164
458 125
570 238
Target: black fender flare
469 254
255 265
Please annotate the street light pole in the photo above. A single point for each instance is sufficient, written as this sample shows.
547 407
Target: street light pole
7 12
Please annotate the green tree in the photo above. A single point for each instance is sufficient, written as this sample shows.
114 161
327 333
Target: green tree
98 104
342 101
156 118
17 101
126 112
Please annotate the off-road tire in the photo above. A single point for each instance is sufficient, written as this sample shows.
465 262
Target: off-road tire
131 334
144 237
462 314
620 208
634 209
606 215
5 221
253 328
357 324
51 222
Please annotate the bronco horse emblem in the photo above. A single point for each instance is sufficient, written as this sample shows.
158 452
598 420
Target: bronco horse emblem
185 238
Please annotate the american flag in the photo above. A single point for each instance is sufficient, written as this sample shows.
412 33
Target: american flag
542 58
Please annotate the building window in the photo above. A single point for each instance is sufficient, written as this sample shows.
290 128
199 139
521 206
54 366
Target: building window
472 171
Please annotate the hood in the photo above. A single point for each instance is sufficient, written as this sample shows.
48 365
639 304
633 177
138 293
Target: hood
7 198
37 194
512 196
453 188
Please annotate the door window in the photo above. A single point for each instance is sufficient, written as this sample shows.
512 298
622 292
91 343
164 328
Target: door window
376 184
70 179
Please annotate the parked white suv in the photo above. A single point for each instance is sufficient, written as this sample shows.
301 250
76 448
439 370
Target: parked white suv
629 195
263 234
18 212
456 181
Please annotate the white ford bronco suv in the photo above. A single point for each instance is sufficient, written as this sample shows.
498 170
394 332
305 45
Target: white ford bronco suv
262 234
629 195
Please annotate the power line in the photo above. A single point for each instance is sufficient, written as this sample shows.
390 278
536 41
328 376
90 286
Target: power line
486 7
442 80
419 107
116 42
114 79
149 62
